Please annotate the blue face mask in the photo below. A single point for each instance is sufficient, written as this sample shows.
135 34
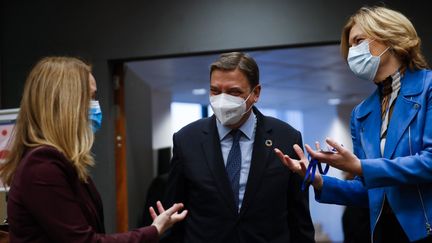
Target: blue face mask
95 115
362 63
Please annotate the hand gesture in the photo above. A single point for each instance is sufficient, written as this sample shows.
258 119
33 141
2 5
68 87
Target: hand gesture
342 159
166 218
299 166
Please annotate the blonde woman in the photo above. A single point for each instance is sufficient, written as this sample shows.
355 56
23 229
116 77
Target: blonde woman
52 197
391 130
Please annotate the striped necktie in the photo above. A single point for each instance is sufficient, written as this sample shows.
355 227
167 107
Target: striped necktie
233 165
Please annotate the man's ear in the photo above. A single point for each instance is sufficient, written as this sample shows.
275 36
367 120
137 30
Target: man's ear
257 92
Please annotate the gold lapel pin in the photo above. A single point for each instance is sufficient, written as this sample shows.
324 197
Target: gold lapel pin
268 143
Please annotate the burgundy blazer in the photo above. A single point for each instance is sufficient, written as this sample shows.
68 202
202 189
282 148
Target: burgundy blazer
48 203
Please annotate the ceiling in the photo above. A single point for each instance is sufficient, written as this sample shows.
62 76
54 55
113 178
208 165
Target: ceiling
291 78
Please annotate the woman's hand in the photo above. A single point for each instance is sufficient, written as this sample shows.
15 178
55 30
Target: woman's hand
342 159
299 166
166 218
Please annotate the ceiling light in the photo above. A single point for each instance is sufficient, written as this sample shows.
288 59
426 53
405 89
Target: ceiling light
334 101
199 91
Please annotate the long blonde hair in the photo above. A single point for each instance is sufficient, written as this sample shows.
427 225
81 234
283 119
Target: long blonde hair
390 27
54 112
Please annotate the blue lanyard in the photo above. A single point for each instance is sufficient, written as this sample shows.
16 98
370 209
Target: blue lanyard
310 172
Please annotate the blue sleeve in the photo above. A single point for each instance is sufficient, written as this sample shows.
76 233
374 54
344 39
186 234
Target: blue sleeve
343 192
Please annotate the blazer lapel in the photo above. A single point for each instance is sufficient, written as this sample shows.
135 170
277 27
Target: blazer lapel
370 126
213 154
259 160
95 206
406 107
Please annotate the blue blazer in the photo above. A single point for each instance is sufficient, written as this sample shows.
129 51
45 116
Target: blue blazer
404 173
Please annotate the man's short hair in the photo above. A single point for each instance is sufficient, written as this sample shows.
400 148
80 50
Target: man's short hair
233 60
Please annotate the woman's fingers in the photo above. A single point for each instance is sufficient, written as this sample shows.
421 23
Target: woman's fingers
310 151
179 216
317 146
176 207
173 214
152 213
160 207
334 144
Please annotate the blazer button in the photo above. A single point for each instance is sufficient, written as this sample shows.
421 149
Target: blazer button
416 106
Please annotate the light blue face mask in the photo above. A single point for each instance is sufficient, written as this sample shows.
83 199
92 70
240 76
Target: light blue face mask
95 115
362 63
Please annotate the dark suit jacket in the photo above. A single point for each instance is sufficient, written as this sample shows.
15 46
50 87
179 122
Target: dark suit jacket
48 203
356 225
155 193
274 207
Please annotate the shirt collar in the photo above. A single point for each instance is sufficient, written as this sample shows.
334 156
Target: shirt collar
390 84
247 128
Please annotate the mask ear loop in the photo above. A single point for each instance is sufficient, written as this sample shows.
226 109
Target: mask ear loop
384 51
247 99
381 52
250 94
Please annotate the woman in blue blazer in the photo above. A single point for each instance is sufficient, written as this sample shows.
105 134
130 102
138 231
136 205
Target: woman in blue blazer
391 131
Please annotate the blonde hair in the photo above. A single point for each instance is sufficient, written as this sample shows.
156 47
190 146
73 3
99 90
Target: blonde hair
390 27
54 112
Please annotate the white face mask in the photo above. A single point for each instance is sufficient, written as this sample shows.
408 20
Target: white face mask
229 109
362 63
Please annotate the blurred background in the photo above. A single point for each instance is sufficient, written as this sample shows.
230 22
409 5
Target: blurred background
151 62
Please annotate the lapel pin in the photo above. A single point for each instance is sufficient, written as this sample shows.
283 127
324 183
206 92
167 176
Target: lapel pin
268 143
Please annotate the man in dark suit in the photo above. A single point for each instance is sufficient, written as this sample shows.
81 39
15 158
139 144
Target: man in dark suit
226 173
